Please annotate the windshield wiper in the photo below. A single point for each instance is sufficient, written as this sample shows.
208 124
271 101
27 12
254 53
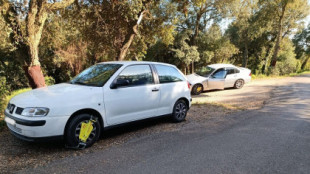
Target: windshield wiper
79 83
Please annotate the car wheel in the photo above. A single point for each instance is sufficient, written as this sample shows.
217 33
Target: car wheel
239 84
197 89
179 111
73 131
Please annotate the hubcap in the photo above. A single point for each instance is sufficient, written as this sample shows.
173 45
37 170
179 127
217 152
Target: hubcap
199 88
239 83
180 111
78 130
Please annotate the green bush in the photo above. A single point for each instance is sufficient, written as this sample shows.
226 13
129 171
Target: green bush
49 80
286 67
3 93
5 100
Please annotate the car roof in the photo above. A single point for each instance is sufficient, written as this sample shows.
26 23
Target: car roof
220 65
136 62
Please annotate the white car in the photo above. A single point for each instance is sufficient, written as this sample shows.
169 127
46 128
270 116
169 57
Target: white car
104 95
218 76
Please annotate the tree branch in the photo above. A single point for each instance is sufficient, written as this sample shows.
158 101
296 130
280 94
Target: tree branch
60 5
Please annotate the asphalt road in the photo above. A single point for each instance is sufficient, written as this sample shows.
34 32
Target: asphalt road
274 139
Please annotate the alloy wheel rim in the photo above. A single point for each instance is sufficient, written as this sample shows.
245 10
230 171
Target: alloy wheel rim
180 110
78 130
239 84
198 89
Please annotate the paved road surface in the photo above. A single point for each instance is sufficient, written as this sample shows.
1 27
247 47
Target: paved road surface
274 139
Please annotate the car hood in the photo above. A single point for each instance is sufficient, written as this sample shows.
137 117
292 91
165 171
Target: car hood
194 78
52 95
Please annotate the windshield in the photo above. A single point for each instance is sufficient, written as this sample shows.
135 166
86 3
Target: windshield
205 71
96 75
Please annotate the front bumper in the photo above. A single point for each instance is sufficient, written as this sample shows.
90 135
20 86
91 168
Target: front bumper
33 129
37 139
26 122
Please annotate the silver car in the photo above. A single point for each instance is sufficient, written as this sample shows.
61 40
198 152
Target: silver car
218 76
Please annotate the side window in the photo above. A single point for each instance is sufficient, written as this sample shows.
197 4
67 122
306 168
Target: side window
230 71
136 75
237 71
168 74
219 74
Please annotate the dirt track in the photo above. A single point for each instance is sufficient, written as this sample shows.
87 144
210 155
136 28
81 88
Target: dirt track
212 109
252 96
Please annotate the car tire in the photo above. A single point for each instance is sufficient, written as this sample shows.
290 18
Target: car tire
179 111
197 89
72 131
239 84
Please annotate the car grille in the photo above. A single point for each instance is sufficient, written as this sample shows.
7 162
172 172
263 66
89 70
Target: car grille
19 110
15 129
11 108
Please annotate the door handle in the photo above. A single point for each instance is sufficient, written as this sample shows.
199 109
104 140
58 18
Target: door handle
155 90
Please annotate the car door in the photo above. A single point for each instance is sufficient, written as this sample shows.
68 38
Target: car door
230 77
137 99
173 86
217 79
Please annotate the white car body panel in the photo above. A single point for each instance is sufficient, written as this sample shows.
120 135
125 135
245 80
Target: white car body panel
115 106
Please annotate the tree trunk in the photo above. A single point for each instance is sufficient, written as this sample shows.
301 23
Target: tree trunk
195 36
34 26
277 47
129 38
279 37
193 67
35 76
303 65
245 55
127 42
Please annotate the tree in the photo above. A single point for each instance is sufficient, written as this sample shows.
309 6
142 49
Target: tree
27 41
244 32
302 46
285 16
214 47
201 13
183 51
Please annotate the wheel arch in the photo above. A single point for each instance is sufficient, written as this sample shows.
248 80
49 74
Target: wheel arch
85 111
185 99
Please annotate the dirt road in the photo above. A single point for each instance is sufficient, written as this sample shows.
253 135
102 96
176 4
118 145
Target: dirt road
213 111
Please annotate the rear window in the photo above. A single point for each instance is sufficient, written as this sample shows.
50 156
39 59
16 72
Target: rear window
168 74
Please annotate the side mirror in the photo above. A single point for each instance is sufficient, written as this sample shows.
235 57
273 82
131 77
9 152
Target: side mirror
119 83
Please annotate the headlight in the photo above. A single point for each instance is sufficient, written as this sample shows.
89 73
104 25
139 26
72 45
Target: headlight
35 112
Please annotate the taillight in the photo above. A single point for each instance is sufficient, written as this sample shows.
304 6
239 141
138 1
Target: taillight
250 74
188 85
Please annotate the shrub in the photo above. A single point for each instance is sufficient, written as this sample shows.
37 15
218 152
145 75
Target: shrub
49 80
288 66
3 93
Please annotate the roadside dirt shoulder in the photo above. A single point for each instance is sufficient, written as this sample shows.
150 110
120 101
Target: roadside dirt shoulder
251 96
